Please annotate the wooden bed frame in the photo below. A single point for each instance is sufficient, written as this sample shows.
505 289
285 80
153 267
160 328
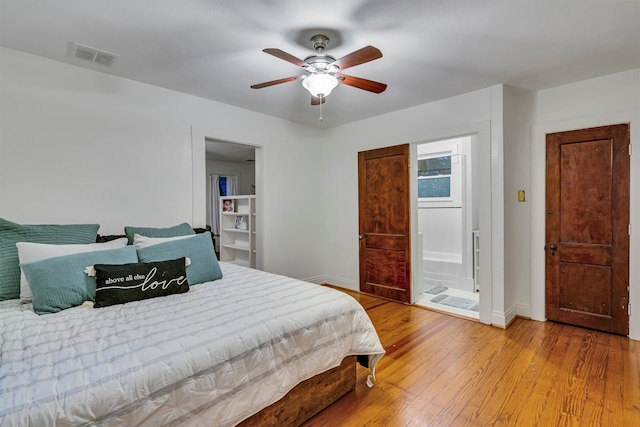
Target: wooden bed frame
308 398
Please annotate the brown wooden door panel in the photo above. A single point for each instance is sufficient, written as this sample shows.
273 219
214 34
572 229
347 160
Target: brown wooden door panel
587 254
587 241
384 222
394 242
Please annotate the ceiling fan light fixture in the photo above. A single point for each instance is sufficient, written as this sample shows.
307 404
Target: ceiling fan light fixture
324 72
320 84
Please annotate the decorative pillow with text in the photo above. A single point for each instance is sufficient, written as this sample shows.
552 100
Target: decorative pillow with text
119 284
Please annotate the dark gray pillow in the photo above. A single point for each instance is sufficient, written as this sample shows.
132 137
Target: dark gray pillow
183 229
122 283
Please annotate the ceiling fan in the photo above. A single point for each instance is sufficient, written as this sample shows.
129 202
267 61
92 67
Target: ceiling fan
324 71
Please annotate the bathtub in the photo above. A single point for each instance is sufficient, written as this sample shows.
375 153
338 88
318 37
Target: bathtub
445 269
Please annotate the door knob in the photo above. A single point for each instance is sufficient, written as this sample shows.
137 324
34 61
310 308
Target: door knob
553 249
361 236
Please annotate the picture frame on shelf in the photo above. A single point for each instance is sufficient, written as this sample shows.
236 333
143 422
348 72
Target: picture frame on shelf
239 225
227 206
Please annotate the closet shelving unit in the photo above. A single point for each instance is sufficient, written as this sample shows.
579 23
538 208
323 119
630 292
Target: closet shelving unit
237 231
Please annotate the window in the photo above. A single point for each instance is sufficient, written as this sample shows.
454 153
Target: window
223 185
441 172
434 177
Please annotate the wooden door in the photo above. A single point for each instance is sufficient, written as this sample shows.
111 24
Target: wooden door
587 228
384 223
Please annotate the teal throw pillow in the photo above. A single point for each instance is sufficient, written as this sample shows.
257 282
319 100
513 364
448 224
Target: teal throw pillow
12 233
183 229
199 249
61 282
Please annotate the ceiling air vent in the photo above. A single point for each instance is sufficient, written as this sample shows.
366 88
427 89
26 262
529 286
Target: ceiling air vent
91 54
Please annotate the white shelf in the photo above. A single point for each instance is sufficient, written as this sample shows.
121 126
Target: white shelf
237 247
235 230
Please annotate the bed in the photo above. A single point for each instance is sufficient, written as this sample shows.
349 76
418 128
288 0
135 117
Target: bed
225 352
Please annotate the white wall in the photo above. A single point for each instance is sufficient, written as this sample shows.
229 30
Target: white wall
441 232
518 116
602 101
461 115
245 171
290 211
82 146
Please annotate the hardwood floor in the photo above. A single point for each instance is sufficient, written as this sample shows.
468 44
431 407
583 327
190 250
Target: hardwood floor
441 370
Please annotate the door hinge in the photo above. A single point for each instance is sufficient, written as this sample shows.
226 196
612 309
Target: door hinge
629 229
629 309
629 149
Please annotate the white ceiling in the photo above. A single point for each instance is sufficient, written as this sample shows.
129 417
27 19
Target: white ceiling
432 49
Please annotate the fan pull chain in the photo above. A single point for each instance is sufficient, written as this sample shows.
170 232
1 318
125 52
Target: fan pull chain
320 118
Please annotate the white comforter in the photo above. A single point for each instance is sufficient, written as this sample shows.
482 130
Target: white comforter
212 356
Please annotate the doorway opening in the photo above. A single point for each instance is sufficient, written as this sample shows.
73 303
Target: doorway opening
384 218
230 171
448 222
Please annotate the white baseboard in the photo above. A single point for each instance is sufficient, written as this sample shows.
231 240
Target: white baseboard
333 280
318 280
523 310
503 320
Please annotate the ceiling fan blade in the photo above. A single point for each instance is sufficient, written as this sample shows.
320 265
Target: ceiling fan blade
360 56
274 82
364 84
284 55
317 100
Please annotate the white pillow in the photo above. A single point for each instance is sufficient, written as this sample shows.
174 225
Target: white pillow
30 252
144 242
